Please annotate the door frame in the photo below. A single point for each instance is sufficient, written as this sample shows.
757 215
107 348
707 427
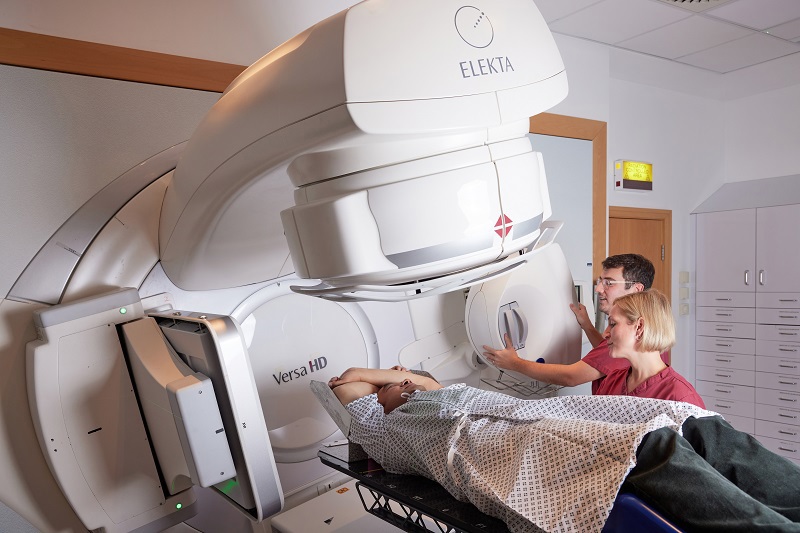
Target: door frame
595 131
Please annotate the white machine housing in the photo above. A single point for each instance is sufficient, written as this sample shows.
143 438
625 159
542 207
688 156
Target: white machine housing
381 107
96 424
401 125
531 305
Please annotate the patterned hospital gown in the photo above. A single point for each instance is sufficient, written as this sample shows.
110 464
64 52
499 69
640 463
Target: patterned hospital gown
557 463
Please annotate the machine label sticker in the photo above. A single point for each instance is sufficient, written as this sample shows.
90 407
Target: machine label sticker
474 27
503 225
315 364
484 67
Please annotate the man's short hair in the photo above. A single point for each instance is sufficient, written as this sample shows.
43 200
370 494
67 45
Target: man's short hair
635 268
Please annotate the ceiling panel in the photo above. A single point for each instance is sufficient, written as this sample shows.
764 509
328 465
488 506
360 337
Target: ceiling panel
612 21
733 55
789 30
757 14
717 35
555 9
685 37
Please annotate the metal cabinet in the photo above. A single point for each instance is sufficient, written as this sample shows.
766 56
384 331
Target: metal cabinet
748 321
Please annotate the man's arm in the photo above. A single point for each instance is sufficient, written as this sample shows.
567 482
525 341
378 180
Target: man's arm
564 375
582 316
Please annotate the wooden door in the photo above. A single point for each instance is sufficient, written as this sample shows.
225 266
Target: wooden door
647 232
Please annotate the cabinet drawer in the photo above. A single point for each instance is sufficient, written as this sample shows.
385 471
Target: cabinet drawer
726 299
783 382
778 365
778 316
730 407
786 350
726 329
784 448
727 314
709 389
726 345
778 300
778 397
771 332
726 360
725 375
777 431
742 423
782 415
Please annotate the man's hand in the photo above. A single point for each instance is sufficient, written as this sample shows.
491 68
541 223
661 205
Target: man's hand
506 358
581 315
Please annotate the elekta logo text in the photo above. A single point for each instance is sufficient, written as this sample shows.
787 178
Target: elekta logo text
315 364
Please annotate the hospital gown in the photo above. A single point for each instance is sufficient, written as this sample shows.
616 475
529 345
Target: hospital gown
556 463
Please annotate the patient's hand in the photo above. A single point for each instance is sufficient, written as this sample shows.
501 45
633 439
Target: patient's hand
506 358
348 376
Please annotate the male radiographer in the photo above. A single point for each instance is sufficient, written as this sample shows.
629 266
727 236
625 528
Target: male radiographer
622 274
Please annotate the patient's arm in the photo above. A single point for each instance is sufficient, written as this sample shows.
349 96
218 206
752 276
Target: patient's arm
379 377
349 392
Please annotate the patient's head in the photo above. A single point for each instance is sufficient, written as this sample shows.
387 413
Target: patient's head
393 395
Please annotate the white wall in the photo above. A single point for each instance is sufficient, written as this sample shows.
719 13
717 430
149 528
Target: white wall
678 119
234 31
762 135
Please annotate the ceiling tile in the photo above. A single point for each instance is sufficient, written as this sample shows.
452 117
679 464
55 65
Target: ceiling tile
740 53
612 21
685 37
757 14
553 10
789 31
698 5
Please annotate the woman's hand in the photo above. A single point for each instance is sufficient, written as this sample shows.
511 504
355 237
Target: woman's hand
506 358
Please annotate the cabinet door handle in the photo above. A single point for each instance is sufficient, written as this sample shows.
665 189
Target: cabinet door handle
723 299
784 382
787 366
788 316
723 375
793 350
787 449
787 416
760 277
722 345
722 314
747 277
723 329
782 432
786 399
787 300
721 360
725 391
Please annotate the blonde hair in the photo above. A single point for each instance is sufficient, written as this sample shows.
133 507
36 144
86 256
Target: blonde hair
659 325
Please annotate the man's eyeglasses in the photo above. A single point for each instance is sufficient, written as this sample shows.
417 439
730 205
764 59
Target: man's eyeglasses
609 282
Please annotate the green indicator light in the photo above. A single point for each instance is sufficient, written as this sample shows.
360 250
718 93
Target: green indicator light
178 505
228 486
122 310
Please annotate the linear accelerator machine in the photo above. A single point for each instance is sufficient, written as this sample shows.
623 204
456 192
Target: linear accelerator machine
362 195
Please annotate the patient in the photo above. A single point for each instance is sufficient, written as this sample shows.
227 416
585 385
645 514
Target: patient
640 328
559 463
